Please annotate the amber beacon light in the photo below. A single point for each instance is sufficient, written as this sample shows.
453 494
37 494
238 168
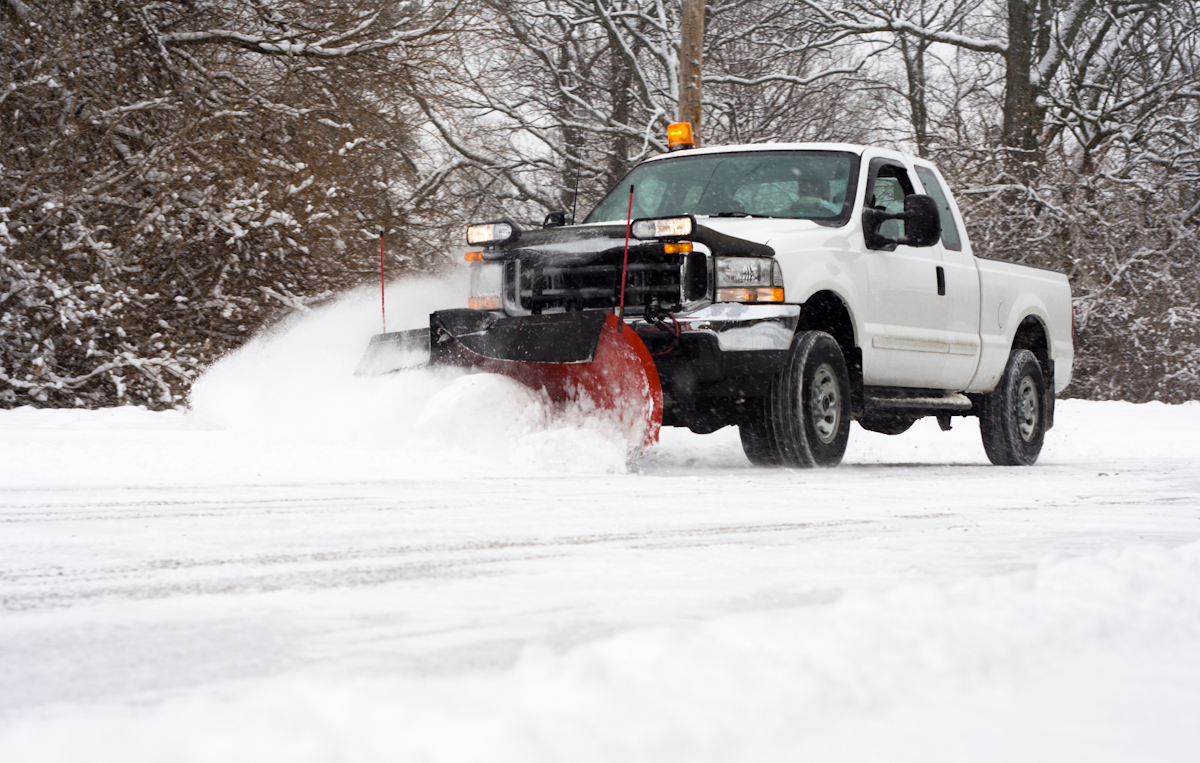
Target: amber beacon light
679 136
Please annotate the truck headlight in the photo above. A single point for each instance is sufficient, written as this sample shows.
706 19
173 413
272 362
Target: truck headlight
749 279
663 227
495 233
487 284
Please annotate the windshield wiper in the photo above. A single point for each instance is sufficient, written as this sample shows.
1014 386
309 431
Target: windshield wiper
743 214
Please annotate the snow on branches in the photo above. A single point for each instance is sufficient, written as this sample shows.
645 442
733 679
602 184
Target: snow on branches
175 175
559 98
172 177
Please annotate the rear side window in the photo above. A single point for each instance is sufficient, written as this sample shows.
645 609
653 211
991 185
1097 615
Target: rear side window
950 237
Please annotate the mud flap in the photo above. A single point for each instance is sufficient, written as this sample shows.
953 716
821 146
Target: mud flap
588 358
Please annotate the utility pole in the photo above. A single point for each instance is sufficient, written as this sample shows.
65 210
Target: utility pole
691 52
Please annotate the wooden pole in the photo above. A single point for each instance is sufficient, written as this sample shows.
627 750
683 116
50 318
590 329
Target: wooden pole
382 297
691 53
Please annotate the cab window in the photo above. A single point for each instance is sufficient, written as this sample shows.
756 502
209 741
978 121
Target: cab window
887 186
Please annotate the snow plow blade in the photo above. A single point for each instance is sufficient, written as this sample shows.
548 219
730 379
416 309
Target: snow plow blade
589 358
395 351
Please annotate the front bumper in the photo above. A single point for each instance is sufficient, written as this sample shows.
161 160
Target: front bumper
735 327
726 350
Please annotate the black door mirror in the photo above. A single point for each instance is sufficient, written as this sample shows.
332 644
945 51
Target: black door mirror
555 220
922 224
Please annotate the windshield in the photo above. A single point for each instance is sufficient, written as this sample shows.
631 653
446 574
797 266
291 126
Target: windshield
811 185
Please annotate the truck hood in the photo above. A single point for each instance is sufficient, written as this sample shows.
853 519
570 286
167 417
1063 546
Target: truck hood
764 231
578 244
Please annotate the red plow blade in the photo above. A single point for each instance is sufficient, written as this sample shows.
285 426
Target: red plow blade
621 379
587 358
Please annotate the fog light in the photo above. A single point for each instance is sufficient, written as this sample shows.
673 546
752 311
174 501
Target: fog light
485 303
487 287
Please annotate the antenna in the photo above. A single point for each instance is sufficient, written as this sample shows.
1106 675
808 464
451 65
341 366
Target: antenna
575 198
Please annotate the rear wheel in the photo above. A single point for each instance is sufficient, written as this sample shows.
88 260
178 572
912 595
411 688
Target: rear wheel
1012 421
805 419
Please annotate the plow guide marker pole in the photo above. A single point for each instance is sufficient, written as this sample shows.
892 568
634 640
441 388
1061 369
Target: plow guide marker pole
382 300
625 265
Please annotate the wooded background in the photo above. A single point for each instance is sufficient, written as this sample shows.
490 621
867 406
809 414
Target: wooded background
175 175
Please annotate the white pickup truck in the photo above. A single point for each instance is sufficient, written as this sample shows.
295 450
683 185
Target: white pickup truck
789 289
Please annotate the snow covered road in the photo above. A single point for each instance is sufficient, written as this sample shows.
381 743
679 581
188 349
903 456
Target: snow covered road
292 581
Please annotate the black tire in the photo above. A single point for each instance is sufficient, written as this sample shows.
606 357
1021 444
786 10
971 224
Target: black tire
805 419
758 441
1011 419
886 423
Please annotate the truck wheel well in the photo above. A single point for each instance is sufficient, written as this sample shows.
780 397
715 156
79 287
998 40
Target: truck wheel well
825 311
1031 335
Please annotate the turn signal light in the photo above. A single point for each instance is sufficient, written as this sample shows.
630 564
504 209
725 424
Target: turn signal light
473 256
761 294
677 247
679 136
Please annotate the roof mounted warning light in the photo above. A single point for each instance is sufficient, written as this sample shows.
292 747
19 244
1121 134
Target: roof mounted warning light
679 136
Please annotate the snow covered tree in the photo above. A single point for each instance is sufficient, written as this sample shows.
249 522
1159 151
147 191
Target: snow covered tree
559 95
1069 128
173 174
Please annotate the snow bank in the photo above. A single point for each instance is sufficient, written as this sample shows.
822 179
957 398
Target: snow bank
295 387
287 408
932 673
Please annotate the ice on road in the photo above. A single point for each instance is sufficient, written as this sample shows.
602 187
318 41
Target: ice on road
309 566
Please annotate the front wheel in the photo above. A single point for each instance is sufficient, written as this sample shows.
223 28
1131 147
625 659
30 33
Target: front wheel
758 439
1012 420
805 419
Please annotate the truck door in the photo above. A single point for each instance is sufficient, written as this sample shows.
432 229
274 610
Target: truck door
906 342
961 289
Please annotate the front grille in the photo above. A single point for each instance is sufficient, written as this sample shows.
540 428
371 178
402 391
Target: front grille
543 284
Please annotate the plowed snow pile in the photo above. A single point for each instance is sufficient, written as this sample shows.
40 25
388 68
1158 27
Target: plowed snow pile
295 386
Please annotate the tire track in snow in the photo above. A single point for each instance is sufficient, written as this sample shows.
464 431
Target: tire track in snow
23 589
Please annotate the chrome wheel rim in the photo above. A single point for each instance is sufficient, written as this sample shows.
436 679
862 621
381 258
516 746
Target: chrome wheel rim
825 403
1027 409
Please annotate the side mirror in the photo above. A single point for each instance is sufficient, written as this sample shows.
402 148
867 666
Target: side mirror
555 220
922 224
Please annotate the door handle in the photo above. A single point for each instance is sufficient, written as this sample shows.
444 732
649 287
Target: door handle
941 276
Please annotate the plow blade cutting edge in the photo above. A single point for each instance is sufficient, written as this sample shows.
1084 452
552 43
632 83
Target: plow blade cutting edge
588 358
